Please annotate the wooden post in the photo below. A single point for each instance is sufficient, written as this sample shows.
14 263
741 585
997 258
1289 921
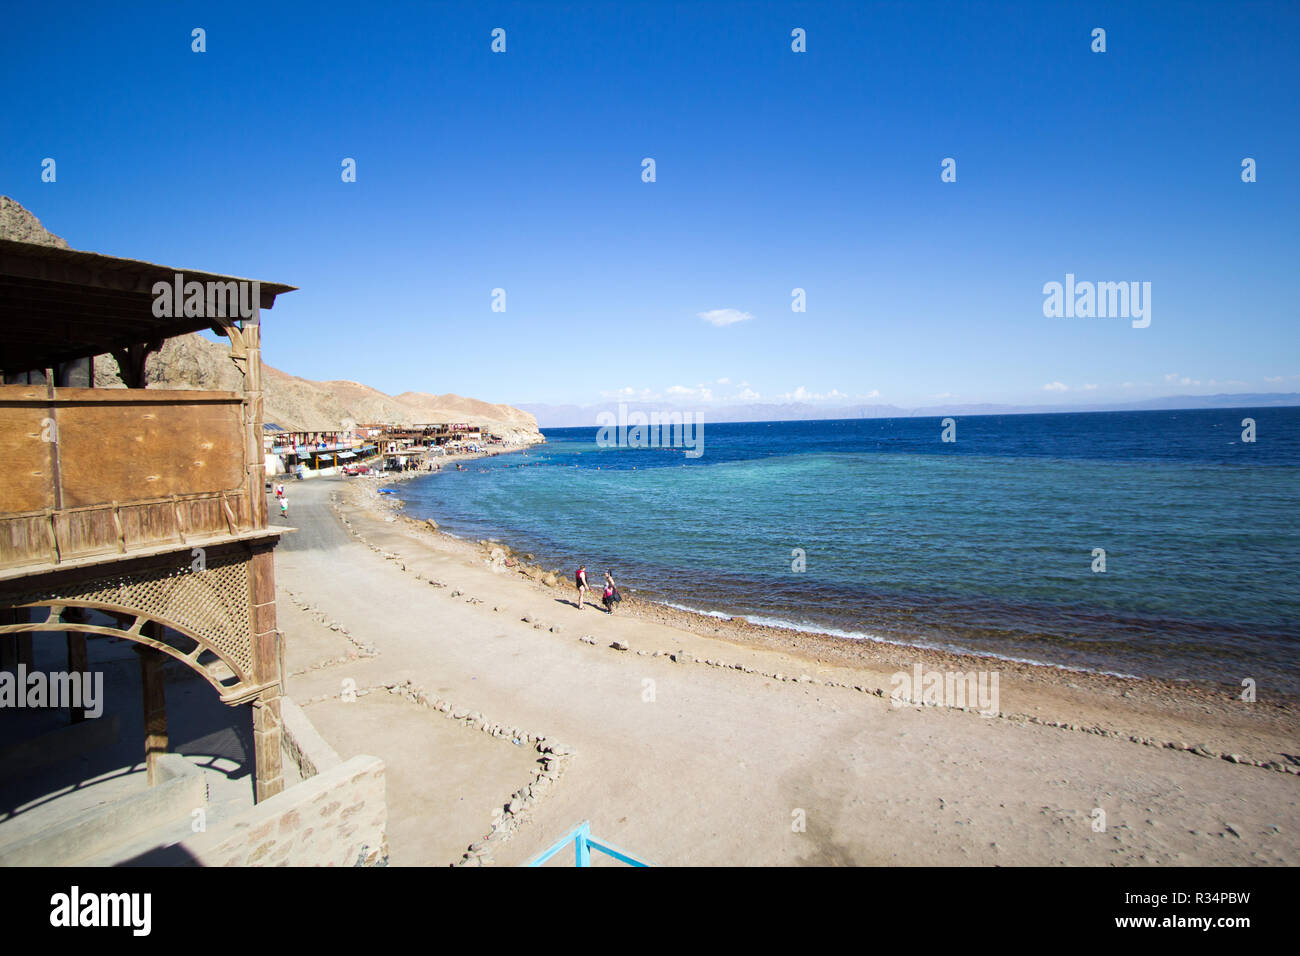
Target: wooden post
154 694
252 342
267 743
78 663
26 653
268 669
15 649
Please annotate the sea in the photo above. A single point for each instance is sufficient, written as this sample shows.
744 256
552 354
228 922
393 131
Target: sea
1152 543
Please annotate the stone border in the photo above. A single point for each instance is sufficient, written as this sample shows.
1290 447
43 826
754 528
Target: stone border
682 657
514 812
362 650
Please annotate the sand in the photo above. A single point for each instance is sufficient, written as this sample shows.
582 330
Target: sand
707 757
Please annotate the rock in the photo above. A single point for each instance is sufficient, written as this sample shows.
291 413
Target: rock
619 645
433 525
549 579
555 629
1233 830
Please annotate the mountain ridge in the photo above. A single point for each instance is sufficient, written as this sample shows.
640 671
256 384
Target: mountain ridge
297 404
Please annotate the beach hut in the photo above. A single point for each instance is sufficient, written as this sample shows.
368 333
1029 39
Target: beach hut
137 513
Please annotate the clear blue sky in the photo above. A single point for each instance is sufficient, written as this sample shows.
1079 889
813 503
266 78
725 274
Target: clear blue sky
775 170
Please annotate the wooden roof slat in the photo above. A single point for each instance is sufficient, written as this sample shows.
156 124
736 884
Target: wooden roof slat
57 305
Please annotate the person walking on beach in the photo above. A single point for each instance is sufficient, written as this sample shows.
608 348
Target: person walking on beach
581 580
610 597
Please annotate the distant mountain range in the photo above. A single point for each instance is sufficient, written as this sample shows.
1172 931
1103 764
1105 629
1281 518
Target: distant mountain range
300 404
567 416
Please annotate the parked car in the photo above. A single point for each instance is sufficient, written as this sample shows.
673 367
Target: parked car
356 469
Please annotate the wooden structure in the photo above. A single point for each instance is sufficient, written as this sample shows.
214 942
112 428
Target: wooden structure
133 512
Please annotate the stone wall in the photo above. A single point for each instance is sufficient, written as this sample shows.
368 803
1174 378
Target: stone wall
303 744
339 817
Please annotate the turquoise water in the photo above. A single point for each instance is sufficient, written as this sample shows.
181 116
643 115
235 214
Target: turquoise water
985 544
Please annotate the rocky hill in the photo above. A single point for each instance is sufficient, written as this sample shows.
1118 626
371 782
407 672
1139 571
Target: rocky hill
197 362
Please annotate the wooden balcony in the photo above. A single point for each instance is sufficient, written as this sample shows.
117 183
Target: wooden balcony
96 475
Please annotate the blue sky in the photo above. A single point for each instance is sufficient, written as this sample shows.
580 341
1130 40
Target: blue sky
775 170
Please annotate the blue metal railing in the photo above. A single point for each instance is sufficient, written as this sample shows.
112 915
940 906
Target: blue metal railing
583 843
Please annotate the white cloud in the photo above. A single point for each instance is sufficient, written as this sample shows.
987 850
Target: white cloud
628 393
723 381
1056 387
801 394
1173 378
1090 388
724 316
700 393
748 395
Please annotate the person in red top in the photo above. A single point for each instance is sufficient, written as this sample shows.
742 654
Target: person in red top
580 578
610 597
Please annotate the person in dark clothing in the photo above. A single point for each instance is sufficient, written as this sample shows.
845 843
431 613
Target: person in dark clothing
610 597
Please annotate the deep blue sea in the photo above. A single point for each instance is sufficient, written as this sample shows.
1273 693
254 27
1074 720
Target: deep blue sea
983 544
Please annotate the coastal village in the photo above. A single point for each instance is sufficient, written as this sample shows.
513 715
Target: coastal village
345 685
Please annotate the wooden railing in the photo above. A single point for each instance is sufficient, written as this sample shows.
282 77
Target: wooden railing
86 472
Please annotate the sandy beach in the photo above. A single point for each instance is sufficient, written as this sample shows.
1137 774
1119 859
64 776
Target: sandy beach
708 741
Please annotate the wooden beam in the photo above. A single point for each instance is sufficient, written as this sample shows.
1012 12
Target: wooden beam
153 692
78 660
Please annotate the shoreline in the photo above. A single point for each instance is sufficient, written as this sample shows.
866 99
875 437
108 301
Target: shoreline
1204 718
820 645
1184 779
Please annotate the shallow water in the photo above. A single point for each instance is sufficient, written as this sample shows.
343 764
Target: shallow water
983 544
